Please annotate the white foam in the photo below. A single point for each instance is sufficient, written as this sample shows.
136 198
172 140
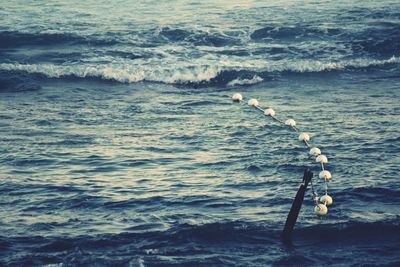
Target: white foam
320 66
238 81
189 71
120 73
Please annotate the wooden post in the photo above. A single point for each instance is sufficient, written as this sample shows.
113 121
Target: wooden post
296 206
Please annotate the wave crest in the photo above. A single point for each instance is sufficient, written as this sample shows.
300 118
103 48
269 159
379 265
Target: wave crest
234 74
124 74
238 81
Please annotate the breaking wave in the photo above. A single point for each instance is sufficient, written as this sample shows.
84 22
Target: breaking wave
254 80
200 74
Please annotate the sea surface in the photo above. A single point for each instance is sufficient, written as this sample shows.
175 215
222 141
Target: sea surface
120 145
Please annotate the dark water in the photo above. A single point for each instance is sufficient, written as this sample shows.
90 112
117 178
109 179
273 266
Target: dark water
120 146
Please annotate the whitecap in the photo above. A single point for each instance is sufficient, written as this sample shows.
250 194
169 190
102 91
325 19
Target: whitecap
238 81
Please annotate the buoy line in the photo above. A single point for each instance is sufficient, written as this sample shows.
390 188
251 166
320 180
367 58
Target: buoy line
321 203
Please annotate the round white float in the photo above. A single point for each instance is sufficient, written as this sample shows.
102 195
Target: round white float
290 122
269 112
326 175
326 199
321 159
315 151
253 102
304 137
237 97
321 210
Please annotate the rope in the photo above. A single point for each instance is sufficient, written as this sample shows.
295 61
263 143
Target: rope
325 200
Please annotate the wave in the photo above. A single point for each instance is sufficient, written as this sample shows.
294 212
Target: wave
254 80
368 194
248 232
192 74
290 33
146 38
17 82
351 231
188 243
303 66
13 39
16 39
385 46
258 232
198 37
124 74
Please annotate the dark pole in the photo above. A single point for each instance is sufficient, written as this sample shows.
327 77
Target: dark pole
296 206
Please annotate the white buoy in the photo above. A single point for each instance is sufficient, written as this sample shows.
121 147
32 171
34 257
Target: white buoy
304 137
290 122
321 210
253 102
269 112
326 199
321 159
237 97
315 151
326 175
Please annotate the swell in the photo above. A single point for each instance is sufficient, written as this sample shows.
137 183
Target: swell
378 37
370 194
193 241
18 81
187 75
290 33
244 231
145 38
15 39
352 231
198 37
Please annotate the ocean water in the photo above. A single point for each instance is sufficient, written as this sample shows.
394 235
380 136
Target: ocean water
120 145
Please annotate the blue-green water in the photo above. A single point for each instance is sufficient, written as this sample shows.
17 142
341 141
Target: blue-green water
120 145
